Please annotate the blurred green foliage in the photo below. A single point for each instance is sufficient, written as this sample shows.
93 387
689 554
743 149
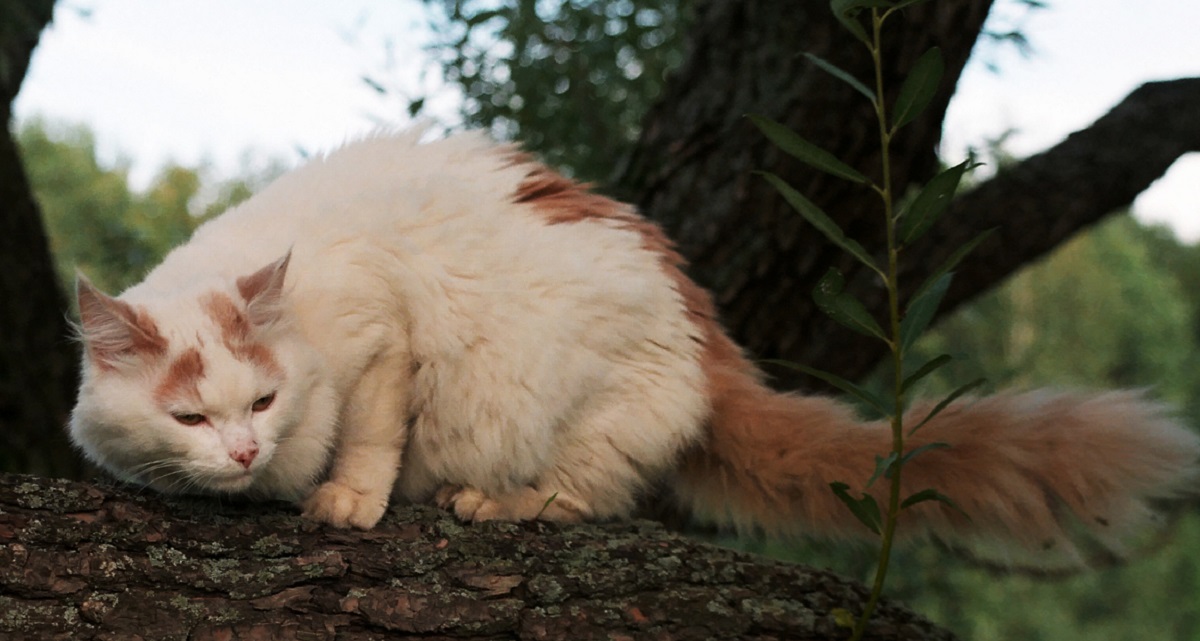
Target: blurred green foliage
570 80
101 225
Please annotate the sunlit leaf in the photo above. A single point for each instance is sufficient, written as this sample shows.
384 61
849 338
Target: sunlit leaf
819 219
846 386
842 307
919 87
796 146
844 76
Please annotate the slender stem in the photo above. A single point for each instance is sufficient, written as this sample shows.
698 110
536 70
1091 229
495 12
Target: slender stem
893 289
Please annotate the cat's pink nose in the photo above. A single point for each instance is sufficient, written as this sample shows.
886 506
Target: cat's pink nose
245 455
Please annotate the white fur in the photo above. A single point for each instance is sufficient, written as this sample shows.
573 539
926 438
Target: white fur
430 319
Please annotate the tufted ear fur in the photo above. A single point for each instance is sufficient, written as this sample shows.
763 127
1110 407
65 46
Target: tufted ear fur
263 292
113 331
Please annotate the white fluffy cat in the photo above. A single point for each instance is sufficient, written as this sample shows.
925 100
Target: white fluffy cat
454 322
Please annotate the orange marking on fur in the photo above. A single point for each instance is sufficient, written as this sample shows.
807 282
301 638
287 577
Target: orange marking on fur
228 317
236 333
750 456
148 340
182 378
112 328
562 200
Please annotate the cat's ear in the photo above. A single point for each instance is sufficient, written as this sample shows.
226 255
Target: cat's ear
263 292
112 330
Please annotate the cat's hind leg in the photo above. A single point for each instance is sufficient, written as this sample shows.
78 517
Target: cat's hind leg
523 504
624 441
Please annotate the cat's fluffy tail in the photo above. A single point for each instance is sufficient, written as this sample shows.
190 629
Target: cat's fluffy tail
1048 481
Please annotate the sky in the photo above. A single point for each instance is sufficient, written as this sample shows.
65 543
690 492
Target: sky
232 83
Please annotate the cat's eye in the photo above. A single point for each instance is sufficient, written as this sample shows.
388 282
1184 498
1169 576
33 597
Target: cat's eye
263 402
190 419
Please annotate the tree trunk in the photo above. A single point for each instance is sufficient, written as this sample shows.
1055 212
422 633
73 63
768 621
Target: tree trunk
692 170
81 561
37 360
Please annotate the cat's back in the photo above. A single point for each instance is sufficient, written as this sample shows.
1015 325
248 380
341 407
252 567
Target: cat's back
478 221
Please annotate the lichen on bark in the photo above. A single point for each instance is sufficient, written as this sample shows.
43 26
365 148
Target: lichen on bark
81 561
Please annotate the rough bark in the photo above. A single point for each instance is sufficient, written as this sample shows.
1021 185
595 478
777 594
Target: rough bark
692 170
37 358
1045 199
80 561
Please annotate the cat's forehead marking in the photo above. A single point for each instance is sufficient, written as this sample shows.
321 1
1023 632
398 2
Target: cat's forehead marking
230 320
182 379
236 333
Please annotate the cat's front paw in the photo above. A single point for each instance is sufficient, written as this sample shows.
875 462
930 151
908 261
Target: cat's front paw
342 506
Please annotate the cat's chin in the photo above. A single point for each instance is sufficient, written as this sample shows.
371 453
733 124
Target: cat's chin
229 485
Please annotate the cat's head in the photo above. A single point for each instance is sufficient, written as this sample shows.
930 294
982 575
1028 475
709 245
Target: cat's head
191 391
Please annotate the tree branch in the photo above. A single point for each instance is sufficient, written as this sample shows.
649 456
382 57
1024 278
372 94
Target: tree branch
692 169
37 359
1045 199
1036 204
81 561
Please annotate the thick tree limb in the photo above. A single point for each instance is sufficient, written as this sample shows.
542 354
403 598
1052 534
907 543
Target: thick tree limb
1045 199
692 171
80 561
37 360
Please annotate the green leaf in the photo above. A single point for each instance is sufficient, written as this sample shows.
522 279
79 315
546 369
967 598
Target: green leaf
847 12
922 449
918 88
374 85
865 508
951 263
925 370
843 307
796 146
846 386
545 505
931 495
921 310
844 76
883 467
931 202
945 402
843 618
415 107
821 221
482 17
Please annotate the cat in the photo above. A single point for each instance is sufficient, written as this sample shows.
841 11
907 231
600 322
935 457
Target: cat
453 322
